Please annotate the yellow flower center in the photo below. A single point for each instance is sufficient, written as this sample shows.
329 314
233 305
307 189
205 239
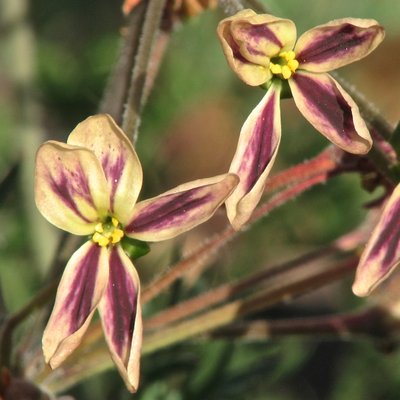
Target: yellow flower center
284 65
108 232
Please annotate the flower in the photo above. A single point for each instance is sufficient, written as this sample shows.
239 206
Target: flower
382 252
89 186
262 50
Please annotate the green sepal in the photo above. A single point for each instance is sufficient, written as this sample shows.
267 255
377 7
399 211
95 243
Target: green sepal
286 93
134 248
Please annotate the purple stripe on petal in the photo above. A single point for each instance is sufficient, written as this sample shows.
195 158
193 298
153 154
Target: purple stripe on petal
78 294
82 288
388 241
328 105
69 187
168 211
121 317
120 312
258 33
337 43
334 44
382 253
113 169
261 146
255 155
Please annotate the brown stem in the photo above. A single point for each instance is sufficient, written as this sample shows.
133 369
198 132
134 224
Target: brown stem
210 247
285 289
229 290
324 163
372 322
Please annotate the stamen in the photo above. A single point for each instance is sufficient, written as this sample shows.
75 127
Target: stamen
108 232
285 64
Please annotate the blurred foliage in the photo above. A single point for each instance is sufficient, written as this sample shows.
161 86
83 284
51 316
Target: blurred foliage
197 101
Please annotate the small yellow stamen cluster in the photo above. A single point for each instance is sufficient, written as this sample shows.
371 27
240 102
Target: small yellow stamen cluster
107 233
288 64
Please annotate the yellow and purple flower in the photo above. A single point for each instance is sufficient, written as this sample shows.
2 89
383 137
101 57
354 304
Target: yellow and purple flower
89 187
262 50
382 252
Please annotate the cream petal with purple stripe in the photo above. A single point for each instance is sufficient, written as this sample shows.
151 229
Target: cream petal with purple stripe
257 148
337 43
70 187
263 36
382 253
249 40
325 104
180 209
121 318
79 292
118 159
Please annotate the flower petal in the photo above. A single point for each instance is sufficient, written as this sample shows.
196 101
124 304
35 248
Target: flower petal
121 317
382 253
337 43
180 209
255 155
79 292
249 40
326 106
70 188
118 158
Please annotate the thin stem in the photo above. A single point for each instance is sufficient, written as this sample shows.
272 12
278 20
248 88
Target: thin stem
209 248
372 322
327 162
225 292
92 356
137 92
284 290
116 92
12 321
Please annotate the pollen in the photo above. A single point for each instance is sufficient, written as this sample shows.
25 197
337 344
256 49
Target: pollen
108 232
284 65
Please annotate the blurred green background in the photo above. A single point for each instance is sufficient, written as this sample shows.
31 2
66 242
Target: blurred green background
55 58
